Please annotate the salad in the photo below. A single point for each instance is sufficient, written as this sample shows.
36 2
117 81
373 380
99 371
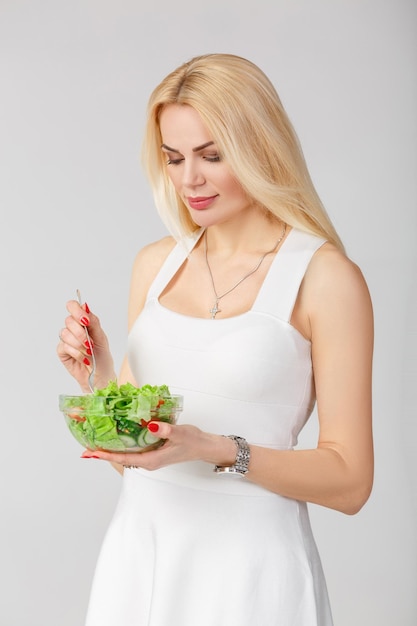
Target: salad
115 418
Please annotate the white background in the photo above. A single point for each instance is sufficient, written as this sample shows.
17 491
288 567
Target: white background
75 207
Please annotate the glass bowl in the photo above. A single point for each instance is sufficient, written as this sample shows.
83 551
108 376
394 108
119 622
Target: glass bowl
118 424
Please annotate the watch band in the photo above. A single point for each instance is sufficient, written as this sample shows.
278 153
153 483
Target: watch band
241 464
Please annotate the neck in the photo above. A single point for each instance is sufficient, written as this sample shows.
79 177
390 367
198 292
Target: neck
218 296
253 236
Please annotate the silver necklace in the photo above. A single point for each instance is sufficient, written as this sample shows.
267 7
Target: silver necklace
215 308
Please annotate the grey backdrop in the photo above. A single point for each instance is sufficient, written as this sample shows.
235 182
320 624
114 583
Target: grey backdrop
75 208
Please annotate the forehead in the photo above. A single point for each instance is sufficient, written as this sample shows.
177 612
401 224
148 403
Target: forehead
182 123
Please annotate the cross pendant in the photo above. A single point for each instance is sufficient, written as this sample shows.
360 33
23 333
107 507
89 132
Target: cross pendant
215 310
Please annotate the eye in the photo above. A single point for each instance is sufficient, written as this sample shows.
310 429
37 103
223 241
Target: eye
215 158
174 161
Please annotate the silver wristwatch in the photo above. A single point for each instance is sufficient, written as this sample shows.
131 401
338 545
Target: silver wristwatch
241 465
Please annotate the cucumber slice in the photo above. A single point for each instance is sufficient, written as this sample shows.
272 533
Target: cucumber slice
146 438
140 441
149 438
128 442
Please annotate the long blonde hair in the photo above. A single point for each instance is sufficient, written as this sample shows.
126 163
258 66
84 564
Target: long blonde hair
244 114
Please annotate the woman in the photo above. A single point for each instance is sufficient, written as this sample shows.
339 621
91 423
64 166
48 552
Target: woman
252 311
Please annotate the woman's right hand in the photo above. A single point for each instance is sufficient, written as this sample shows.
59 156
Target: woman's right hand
75 353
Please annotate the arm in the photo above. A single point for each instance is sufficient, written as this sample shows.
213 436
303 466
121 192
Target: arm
72 349
335 311
145 268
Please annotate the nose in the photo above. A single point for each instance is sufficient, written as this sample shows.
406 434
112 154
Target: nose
192 174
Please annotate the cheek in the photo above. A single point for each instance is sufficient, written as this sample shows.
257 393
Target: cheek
225 179
232 187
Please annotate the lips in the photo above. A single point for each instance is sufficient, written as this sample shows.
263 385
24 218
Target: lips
201 202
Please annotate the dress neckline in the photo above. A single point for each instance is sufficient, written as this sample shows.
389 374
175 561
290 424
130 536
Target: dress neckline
186 251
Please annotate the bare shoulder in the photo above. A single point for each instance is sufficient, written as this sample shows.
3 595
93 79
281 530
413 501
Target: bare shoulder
336 289
146 266
155 252
333 291
151 257
332 273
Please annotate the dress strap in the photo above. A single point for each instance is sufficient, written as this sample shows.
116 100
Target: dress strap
280 288
172 264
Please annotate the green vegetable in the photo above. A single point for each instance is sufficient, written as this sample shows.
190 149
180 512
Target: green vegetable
115 418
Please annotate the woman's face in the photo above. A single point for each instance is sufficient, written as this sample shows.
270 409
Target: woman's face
201 178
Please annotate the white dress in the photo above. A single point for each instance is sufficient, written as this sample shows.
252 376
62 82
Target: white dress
188 547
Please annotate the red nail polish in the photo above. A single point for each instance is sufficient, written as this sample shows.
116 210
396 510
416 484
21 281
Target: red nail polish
153 427
87 310
85 321
86 361
87 455
89 352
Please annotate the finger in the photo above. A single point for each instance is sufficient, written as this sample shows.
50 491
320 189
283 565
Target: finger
70 348
74 335
67 353
134 459
79 313
164 430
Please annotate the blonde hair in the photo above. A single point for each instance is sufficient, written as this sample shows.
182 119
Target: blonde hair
245 117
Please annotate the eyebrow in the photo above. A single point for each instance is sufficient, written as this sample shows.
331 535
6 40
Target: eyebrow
197 149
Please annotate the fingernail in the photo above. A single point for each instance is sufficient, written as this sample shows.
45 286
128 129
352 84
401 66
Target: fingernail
88 455
86 361
89 352
88 343
85 321
153 427
87 309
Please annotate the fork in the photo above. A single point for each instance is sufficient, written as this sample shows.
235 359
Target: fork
93 360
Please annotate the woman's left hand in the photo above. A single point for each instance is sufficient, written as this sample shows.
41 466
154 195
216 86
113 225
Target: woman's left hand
182 443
